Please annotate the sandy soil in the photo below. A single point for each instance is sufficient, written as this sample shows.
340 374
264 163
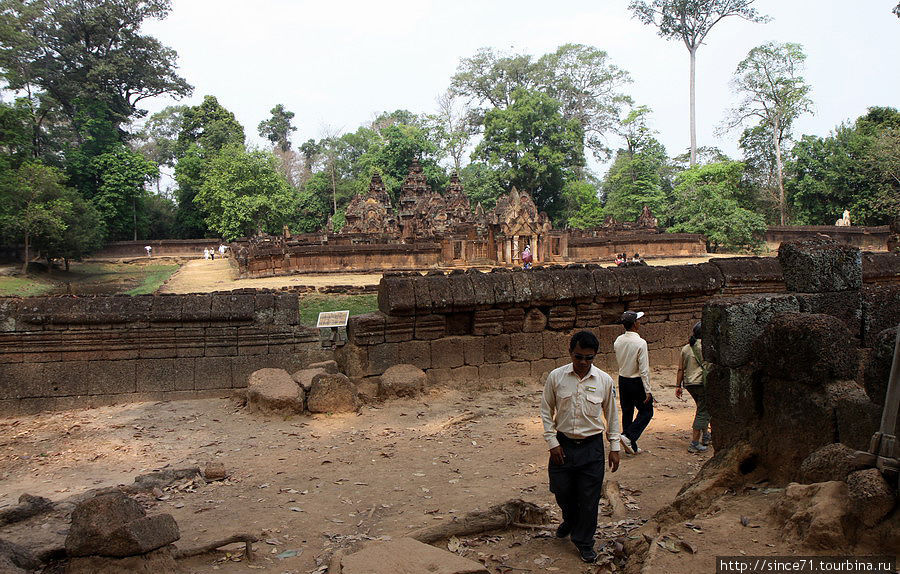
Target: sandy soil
312 484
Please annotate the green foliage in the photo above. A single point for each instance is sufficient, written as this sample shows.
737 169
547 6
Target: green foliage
158 138
312 305
278 128
83 235
481 184
635 179
583 207
533 147
151 278
705 203
210 127
856 168
121 175
23 287
161 214
243 193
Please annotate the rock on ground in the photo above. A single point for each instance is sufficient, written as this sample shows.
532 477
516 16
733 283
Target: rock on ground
831 462
115 525
871 497
304 377
815 514
332 394
407 556
328 366
403 381
15 559
274 391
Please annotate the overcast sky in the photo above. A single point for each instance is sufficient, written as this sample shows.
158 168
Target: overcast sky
336 64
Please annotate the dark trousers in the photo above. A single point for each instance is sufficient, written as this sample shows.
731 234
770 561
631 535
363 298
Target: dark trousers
632 395
577 484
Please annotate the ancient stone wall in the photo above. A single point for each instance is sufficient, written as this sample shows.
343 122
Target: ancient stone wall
180 247
468 325
865 238
60 352
318 258
585 249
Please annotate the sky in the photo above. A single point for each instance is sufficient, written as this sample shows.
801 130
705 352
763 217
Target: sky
338 63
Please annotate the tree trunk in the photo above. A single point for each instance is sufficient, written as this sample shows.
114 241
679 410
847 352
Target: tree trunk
782 208
693 52
25 265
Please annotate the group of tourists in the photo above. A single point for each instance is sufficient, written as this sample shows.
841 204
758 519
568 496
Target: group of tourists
622 259
210 253
578 406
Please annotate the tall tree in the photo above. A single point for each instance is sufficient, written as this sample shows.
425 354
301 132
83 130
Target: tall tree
278 128
533 147
691 21
774 94
84 50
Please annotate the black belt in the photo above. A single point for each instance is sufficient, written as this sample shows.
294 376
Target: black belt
563 438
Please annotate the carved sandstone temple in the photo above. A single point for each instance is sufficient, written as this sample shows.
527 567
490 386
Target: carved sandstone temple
428 229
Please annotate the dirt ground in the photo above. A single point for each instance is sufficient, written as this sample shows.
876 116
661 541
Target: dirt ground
310 485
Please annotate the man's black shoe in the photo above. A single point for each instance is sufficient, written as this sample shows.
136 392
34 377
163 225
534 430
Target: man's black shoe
563 530
588 555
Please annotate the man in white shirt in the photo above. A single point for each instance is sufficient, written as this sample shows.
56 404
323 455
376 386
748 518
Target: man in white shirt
574 397
634 381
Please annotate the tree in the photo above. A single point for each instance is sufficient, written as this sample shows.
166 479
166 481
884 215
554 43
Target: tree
121 176
854 168
84 233
583 207
278 128
533 147
774 94
244 194
453 127
705 203
691 21
84 50
157 139
482 184
35 206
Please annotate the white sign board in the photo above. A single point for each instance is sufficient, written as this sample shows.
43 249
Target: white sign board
333 319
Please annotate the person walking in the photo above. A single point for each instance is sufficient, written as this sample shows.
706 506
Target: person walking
634 381
574 397
692 376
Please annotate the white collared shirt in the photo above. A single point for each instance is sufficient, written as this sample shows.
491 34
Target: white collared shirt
632 357
572 405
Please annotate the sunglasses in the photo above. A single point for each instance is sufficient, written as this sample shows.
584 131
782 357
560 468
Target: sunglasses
581 357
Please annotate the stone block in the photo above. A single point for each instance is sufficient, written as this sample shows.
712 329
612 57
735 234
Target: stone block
561 317
473 350
734 404
542 288
666 356
166 308
464 374
422 291
212 373
439 287
274 391
739 271
155 375
535 321
606 284
353 359
23 380
857 418
519 370
396 295
490 372
304 377
190 342
448 352
332 394
731 325
496 349
407 555
430 327
582 280
439 377
253 340
541 367
397 329
556 344
367 329
811 349
562 285
184 375
416 353
504 289
525 347
221 342
287 309
871 497
488 322
263 308
513 320
831 462
461 291
878 367
403 381
459 323
9 314
629 280
483 286
881 310
382 357
112 524
522 285
844 305
819 265
588 314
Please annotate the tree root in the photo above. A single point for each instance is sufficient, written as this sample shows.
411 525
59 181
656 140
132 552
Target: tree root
513 512
247 539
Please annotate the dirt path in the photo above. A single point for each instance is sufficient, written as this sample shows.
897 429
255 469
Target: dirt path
312 484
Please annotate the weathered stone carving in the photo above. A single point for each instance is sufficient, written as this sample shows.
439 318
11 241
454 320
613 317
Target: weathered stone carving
371 213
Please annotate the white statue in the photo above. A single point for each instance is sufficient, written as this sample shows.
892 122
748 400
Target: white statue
845 220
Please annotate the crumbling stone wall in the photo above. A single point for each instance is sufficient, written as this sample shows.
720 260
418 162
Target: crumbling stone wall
797 371
468 325
60 352
866 238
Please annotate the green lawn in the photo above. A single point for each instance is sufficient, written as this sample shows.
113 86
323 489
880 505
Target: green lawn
153 277
17 287
312 305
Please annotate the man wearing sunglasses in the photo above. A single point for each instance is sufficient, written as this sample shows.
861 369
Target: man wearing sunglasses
574 397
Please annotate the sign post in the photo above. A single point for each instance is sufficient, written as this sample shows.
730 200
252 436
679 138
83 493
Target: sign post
329 325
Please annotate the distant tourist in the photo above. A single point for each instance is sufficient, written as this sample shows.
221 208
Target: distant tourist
222 250
149 250
206 253
527 258
637 258
692 376
620 259
634 381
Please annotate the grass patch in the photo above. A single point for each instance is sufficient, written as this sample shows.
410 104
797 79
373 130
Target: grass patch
18 287
312 305
153 276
